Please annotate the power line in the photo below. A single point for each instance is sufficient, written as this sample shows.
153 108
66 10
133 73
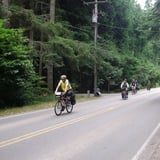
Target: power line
111 26
93 2
80 29
123 28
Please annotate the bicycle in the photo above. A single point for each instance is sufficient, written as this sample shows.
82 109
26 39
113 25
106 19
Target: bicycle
63 101
124 93
134 90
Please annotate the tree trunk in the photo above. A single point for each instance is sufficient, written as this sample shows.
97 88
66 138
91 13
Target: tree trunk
52 10
41 56
50 64
5 4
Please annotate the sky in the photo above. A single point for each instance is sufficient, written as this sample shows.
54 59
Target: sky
142 3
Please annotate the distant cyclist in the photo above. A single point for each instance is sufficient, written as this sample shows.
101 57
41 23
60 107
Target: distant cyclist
65 86
137 85
148 85
124 88
133 86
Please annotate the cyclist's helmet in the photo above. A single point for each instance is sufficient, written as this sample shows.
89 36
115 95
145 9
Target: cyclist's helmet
63 77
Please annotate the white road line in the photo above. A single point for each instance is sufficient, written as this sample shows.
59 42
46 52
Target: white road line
136 157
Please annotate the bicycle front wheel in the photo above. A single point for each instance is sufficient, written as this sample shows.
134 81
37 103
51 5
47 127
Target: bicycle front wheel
69 107
58 108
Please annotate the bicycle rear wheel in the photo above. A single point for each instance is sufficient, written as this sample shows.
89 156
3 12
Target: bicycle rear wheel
69 107
58 108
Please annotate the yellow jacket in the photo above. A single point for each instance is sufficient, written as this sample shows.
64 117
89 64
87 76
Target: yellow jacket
65 85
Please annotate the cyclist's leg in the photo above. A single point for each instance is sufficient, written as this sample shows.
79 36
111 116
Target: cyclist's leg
63 102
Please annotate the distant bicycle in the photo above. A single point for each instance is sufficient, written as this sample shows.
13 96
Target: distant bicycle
134 90
63 102
124 93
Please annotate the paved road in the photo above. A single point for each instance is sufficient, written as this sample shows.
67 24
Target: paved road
107 128
151 149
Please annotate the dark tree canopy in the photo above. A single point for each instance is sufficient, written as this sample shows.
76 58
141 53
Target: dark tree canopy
127 42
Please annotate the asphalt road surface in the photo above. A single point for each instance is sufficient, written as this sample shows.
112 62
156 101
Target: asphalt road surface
106 128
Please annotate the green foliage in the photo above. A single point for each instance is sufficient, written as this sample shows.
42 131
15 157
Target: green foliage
17 79
127 44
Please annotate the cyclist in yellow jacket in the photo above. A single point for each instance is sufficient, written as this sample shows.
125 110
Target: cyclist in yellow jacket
63 84
65 87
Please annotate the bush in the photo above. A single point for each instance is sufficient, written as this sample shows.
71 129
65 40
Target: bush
18 80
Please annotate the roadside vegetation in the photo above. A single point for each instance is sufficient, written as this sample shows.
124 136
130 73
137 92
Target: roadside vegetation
44 102
40 40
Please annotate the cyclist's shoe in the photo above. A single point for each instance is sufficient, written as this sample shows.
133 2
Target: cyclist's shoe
62 108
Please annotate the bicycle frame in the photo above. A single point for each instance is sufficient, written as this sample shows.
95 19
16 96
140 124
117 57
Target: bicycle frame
63 101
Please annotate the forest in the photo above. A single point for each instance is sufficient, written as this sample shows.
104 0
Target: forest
42 39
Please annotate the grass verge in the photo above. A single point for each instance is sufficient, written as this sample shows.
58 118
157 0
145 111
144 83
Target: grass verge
42 103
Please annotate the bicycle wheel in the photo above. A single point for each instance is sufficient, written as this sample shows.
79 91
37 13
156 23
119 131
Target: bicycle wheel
58 108
69 107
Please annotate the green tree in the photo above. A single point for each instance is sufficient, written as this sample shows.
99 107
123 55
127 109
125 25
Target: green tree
17 77
127 35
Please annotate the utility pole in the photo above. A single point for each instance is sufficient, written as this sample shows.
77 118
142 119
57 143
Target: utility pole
50 62
95 21
95 15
